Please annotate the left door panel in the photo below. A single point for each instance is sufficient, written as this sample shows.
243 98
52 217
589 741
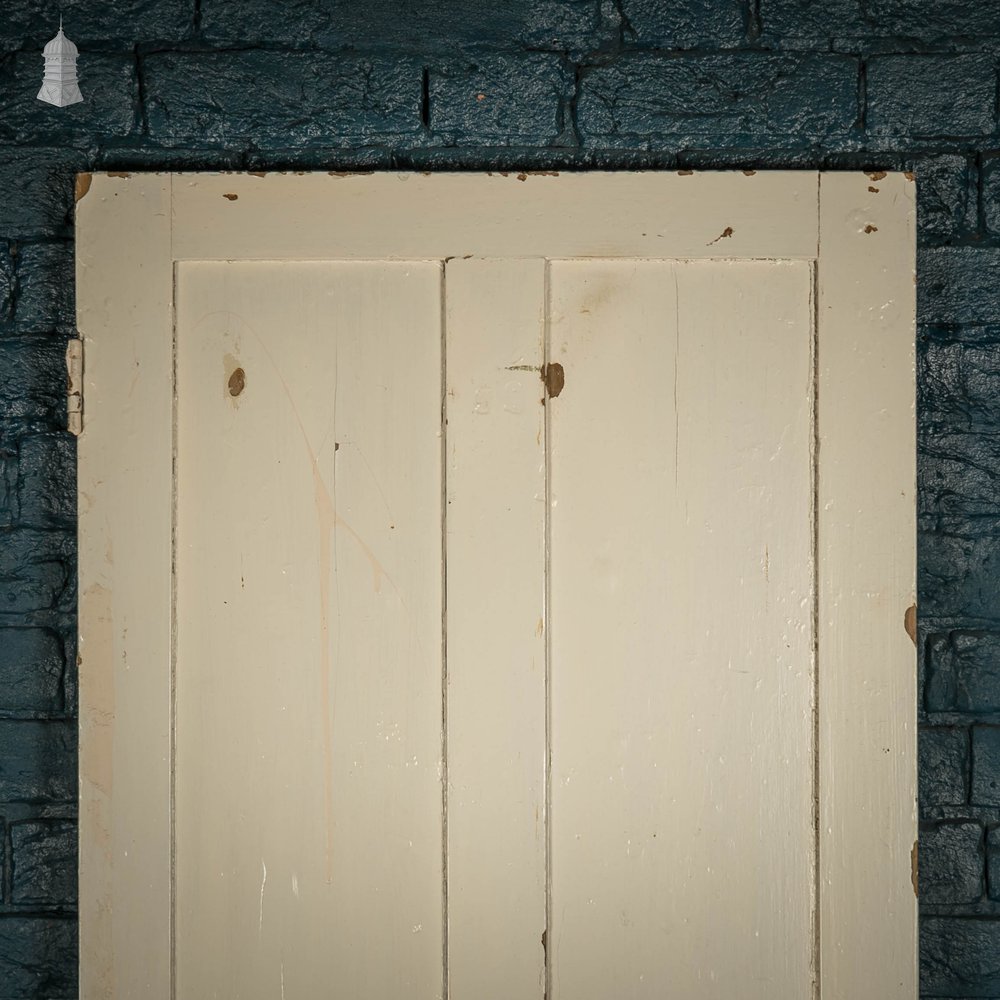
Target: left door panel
309 630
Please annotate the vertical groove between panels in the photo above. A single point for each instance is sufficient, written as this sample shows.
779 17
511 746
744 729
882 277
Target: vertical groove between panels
815 513
172 756
444 632
547 617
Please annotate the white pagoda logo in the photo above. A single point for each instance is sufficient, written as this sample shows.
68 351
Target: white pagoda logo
59 86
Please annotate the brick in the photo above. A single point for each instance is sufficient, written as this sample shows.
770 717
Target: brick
34 573
931 95
795 24
440 25
991 194
368 158
117 25
935 21
47 480
37 761
947 196
38 957
38 186
7 285
986 765
964 672
8 490
943 766
32 380
993 862
959 957
111 98
724 98
694 24
951 863
561 25
499 99
957 473
959 573
281 98
958 285
958 386
43 863
46 300
31 669
798 24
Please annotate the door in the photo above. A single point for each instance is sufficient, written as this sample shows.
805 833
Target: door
494 586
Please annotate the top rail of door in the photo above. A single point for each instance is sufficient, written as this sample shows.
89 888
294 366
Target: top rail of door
653 214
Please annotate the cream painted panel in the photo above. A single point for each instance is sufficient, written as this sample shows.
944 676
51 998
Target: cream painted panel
582 214
681 631
866 545
308 661
496 647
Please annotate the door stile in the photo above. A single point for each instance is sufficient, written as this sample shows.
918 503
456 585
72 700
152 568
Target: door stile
867 574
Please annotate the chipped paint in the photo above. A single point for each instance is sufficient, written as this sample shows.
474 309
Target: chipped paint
871 228
74 386
118 173
230 196
915 870
554 377
724 235
910 622
83 182
878 175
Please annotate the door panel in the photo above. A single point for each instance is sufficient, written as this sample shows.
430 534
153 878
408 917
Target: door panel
308 650
677 707
681 630
495 470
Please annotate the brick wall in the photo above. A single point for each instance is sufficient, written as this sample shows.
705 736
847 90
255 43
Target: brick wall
444 84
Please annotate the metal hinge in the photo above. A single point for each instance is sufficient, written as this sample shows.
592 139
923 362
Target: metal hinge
74 386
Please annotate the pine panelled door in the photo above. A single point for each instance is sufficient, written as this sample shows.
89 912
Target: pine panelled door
493 587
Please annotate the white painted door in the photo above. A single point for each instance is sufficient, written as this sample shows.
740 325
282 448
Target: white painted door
521 564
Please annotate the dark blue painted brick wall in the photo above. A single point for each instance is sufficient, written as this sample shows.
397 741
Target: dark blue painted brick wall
674 84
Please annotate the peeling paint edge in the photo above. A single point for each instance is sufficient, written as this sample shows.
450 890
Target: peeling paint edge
910 622
83 182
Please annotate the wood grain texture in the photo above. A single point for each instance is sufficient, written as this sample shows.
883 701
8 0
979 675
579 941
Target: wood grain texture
866 543
681 631
125 456
308 678
496 646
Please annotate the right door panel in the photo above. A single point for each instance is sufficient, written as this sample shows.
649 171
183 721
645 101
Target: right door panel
681 629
